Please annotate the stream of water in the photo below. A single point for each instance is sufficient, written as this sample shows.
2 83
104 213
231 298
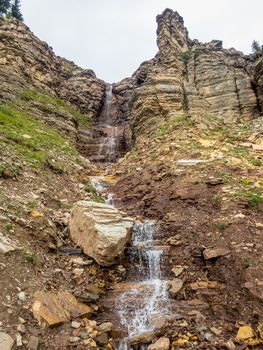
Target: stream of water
149 297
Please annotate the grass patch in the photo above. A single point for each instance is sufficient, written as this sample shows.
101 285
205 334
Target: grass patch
9 227
32 140
9 170
172 124
221 225
29 257
253 197
32 95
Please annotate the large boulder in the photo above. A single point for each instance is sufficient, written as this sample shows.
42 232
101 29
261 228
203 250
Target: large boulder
100 230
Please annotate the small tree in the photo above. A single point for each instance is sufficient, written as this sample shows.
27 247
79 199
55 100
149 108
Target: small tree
256 46
4 7
15 10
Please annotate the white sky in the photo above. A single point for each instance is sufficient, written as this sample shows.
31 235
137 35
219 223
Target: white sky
113 37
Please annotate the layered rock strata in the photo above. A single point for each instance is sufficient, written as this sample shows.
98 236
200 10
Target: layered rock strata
189 77
28 63
100 230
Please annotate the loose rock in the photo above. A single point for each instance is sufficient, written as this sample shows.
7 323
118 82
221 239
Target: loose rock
100 230
58 308
6 342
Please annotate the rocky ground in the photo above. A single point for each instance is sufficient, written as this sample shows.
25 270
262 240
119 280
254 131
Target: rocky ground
202 181
191 119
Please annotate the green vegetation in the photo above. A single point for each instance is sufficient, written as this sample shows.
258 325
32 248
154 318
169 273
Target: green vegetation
255 46
31 204
94 196
32 95
90 188
11 9
252 196
9 227
8 170
29 257
172 124
221 225
27 137
185 55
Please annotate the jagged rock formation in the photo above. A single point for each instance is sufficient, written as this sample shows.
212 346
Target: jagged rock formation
258 77
185 77
188 77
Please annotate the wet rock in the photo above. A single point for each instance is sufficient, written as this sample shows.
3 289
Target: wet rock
33 343
100 230
7 245
158 321
245 332
144 338
215 253
174 286
6 342
161 344
58 308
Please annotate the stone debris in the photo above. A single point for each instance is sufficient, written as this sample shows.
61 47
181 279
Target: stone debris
174 286
100 230
6 342
215 253
158 321
58 308
33 343
245 332
177 270
7 245
105 327
161 344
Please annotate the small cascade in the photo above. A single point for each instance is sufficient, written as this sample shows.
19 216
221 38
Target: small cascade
110 200
109 144
150 298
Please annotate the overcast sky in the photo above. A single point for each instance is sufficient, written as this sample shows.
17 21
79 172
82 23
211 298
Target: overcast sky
113 37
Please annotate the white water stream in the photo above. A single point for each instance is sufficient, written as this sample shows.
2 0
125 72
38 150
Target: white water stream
148 298
109 144
148 294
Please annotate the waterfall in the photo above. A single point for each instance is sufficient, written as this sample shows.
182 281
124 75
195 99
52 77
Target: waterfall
150 297
109 145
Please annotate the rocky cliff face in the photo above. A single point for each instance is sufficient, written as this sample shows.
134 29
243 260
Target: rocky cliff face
191 78
28 63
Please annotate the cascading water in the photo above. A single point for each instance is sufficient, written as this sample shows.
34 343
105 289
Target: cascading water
149 297
109 144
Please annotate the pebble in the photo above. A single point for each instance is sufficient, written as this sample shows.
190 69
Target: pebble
21 328
19 340
75 324
78 272
22 296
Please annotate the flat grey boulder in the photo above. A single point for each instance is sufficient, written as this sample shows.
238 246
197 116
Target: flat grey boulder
100 230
